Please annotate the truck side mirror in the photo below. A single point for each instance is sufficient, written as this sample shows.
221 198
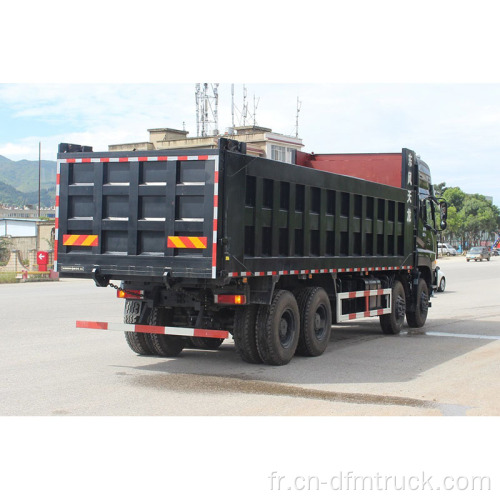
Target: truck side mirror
443 210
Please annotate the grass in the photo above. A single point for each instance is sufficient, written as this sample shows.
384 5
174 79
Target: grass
8 278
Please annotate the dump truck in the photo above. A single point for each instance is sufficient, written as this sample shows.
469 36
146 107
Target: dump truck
215 243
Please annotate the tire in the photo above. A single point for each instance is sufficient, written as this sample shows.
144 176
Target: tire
168 346
417 318
392 323
447 254
244 334
140 343
206 343
442 285
315 321
278 329
467 260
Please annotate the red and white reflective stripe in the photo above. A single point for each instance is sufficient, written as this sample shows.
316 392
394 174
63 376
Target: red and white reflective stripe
158 330
56 227
364 293
216 213
124 159
367 313
318 271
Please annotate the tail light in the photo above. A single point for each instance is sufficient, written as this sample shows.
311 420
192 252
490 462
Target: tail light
236 300
130 294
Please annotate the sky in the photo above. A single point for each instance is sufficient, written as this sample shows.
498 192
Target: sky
454 127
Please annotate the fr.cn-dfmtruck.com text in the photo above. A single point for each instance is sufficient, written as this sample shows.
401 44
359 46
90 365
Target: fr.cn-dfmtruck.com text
349 481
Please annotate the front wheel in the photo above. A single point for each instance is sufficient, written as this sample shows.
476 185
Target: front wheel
442 285
277 330
417 318
391 323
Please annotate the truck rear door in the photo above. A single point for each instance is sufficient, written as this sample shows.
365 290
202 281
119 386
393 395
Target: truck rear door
137 214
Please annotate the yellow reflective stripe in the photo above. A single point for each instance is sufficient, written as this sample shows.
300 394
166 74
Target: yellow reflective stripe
197 243
89 240
71 239
177 242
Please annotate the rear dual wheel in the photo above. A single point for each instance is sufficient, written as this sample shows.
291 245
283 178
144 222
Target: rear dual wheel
289 325
140 343
315 321
268 334
278 329
150 344
206 343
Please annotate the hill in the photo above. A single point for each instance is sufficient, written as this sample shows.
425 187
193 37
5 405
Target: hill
19 182
23 174
12 197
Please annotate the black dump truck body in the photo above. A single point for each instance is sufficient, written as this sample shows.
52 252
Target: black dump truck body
217 240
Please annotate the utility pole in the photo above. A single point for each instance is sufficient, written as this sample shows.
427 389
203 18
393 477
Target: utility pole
39 174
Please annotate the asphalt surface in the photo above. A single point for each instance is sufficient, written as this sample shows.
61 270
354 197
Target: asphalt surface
449 367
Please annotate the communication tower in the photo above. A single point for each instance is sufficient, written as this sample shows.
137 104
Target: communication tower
207 104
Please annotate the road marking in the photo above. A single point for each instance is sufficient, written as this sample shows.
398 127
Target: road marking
463 335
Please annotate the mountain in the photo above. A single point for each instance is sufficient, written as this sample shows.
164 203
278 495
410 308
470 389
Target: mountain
23 174
12 197
19 182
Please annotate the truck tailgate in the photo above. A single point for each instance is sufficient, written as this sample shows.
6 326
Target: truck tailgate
127 214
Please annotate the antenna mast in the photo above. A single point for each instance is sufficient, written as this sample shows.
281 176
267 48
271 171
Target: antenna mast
207 109
245 105
299 104
232 103
255 106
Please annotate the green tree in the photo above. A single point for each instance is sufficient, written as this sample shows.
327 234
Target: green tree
469 216
4 251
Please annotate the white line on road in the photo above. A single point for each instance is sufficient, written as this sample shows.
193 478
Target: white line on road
463 335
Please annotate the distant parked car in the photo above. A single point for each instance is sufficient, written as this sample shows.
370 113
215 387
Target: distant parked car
439 283
478 254
445 249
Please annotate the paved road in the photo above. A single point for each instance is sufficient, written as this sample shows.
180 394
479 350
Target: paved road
450 367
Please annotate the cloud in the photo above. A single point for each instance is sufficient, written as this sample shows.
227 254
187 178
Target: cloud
453 127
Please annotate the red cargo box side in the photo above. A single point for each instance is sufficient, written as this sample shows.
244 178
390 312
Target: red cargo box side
384 168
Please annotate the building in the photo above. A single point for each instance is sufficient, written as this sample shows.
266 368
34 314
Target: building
26 212
27 236
260 141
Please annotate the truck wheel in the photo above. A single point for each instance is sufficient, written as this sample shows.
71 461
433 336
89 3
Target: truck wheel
278 328
442 285
206 343
164 345
315 321
244 334
416 319
391 323
138 342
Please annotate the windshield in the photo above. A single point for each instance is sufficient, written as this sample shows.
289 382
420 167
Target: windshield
475 250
